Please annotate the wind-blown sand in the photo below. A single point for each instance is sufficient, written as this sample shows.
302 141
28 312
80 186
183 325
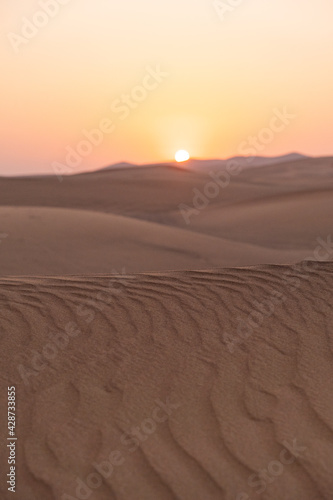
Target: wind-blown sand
239 397
151 362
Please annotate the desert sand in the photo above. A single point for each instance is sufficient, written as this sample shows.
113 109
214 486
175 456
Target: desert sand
134 218
159 359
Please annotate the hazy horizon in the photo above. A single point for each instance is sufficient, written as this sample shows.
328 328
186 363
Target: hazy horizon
163 162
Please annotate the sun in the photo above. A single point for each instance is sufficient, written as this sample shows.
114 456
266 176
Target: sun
182 155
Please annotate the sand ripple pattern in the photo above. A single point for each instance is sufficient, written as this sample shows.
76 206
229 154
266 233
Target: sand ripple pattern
136 341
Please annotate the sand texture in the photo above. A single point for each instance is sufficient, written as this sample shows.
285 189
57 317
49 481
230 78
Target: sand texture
243 388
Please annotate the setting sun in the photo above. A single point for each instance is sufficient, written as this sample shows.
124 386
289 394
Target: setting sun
182 155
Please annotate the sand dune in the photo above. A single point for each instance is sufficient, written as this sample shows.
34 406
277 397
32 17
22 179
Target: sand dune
154 193
242 388
246 162
288 221
271 214
202 164
54 241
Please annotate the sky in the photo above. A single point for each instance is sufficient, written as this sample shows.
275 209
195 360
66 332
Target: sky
85 83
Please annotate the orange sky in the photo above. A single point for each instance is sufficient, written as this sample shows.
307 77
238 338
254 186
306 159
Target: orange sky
156 77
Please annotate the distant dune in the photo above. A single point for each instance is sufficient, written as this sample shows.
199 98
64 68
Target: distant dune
190 385
122 164
158 218
55 241
193 163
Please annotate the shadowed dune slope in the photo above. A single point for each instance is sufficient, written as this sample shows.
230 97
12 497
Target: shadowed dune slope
291 221
154 193
243 359
98 222
55 241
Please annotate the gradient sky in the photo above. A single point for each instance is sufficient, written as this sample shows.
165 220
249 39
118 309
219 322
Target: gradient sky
226 76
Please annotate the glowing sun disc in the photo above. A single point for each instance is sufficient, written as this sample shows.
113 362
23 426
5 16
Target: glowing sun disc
182 155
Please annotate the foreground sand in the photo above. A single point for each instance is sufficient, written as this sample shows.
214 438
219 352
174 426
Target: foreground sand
241 388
